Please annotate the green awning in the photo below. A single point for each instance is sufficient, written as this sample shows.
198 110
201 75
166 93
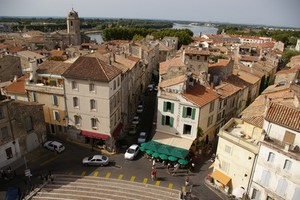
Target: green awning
183 162
166 149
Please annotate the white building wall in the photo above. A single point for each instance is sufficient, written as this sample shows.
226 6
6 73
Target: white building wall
277 132
292 176
235 161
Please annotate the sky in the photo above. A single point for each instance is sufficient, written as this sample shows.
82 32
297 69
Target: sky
284 13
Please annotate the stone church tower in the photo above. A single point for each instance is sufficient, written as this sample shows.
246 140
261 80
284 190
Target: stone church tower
73 28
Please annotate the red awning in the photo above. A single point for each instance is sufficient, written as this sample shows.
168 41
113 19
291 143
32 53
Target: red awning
95 135
117 131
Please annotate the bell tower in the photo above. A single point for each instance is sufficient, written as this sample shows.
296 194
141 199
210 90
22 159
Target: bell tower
73 27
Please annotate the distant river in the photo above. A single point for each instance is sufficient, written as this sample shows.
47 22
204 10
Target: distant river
195 29
96 36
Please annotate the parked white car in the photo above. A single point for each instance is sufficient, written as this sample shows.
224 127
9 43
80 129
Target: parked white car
54 146
140 108
136 120
132 152
142 137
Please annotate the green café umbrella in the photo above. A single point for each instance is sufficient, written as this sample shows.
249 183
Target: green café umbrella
183 162
149 152
155 155
163 156
143 144
142 149
172 158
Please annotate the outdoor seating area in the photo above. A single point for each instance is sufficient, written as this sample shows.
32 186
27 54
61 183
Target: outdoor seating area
165 153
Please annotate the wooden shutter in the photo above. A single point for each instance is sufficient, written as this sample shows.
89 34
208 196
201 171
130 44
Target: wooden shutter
163 120
171 121
193 113
172 108
184 112
165 106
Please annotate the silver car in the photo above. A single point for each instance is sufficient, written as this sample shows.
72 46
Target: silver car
98 160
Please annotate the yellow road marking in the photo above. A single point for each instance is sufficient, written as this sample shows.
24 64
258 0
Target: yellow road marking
83 173
183 188
47 161
96 173
132 178
120 176
145 180
170 185
107 175
40 157
157 183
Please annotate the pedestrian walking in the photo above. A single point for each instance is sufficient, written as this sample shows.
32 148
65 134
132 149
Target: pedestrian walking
176 167
153 174
153 162
187 181
169 167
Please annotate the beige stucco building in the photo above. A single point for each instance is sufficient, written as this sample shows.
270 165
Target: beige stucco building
93 97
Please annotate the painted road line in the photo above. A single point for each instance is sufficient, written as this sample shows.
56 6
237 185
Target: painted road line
83 173
48 161
132 178
107 175
96 173
171 185
145 181
41 157
120 177
157 183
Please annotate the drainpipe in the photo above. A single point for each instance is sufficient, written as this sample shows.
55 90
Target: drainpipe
252 172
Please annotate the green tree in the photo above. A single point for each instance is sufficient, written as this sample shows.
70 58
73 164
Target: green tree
287 54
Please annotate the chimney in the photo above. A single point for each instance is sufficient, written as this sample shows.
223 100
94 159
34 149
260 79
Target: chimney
15 78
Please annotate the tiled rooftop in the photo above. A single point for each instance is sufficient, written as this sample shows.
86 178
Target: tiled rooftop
200 95
284 115
91 68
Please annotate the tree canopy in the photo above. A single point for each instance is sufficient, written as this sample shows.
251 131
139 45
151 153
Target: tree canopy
184 35
288 54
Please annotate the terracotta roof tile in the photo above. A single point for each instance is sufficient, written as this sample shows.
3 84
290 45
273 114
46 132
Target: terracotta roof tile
198 52
91 68
18 87
249 58
289 71
283 115
53 67
255 120
237 81
200 95
250 78
172 81
250 70
226 89
16 49
3 46
125 61
220 63
175 62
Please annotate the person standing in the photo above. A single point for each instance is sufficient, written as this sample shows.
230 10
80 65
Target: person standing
153 174
187 181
